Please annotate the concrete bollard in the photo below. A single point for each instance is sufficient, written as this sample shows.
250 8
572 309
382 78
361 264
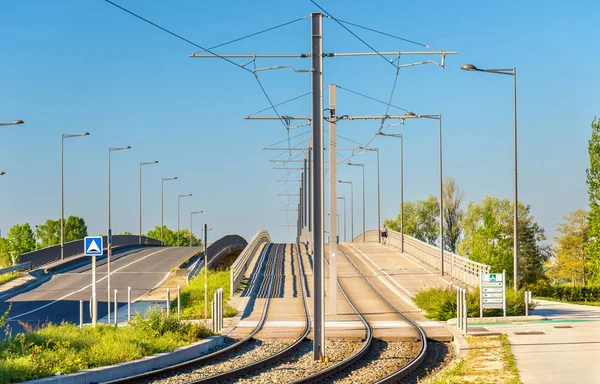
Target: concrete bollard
128 304
116 309
80 313
178 302
465 311
458 308
168 302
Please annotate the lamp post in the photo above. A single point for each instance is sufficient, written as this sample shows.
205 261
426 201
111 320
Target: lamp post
343 198
141 165
178 211
363 196
16 122
399 136
62 186
162 204
351 208
2 173
109 234
511 72
191 214
376 150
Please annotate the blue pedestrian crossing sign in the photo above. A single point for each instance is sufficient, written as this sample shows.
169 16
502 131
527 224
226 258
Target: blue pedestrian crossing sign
92 246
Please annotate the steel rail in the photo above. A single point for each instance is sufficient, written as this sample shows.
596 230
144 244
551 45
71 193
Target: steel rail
336 368
220 352
277 356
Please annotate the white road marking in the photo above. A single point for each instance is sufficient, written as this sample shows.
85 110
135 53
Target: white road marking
84 288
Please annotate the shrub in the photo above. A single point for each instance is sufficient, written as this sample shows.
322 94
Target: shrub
192 295
566 292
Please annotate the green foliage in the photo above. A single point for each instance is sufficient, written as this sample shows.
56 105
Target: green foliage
5 259
66 348
170 237
568 293
8 277
420 220
49 232
20 240
126 233
593 183
453 213
4 316
488 238
192 296
440 303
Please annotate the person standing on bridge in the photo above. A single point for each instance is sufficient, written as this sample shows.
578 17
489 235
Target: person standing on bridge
384 235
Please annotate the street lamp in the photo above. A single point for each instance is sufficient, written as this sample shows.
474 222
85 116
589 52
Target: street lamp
62 187
376 150
511 72
109 234
363 196
16 122
2 173
412 115
351 208
193 213
399 136
343 198
141 165
178 205
162 204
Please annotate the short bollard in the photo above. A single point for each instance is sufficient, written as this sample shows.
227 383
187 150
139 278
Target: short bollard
168 301
178 301
116 308
465 311
80 313
458 308
526 299
128 304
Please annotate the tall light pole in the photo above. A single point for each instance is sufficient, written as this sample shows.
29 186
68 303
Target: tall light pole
376 150
162 204
2 173
363 197
511 72
109 234
399 136
141 165
16 122
351 208
191 214
62 187
343 198
178 212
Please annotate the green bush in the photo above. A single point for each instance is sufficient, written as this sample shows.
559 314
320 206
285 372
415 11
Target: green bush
440 303
566 292
66 348
192 296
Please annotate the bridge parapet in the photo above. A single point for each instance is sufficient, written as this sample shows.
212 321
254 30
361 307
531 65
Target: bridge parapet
216 250
461 268
239 267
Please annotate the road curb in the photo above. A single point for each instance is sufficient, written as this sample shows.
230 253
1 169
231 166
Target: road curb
136 367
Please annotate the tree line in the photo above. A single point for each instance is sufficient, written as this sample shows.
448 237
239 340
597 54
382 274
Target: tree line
483 231
22 238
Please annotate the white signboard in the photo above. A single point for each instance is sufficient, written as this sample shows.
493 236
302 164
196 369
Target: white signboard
492 292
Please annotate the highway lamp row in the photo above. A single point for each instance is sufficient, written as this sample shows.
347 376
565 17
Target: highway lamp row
16 122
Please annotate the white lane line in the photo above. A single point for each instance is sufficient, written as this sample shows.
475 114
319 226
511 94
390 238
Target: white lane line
84 288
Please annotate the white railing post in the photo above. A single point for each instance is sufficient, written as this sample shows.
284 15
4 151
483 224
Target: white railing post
178 302
128 304
116 309
168 302
80 313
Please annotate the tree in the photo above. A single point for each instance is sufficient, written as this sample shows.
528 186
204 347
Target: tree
571 261
453 213
488 238
593 183
125 233
5 259
420 220
75 228
21 240
49 232
170 237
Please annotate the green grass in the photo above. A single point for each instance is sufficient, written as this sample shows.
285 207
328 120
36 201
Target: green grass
192 296
590 303
66 348
5 278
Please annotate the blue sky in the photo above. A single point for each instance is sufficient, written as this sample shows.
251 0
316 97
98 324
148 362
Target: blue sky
70 66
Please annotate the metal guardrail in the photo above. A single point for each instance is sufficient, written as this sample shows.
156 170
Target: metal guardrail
239 267
460 267
215 251
74 248
16 267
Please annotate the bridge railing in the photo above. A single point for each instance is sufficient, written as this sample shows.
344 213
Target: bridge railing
75 248
16 267
460 267
240 266
217 249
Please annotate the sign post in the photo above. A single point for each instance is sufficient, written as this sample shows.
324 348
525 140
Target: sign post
92 246
492 292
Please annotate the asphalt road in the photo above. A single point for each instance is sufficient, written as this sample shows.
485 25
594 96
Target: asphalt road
58 299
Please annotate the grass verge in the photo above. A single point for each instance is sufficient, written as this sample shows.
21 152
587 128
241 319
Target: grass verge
490 360
590 303
66 348
5 278
192 295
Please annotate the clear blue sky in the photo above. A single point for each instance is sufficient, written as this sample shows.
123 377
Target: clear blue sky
70 66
